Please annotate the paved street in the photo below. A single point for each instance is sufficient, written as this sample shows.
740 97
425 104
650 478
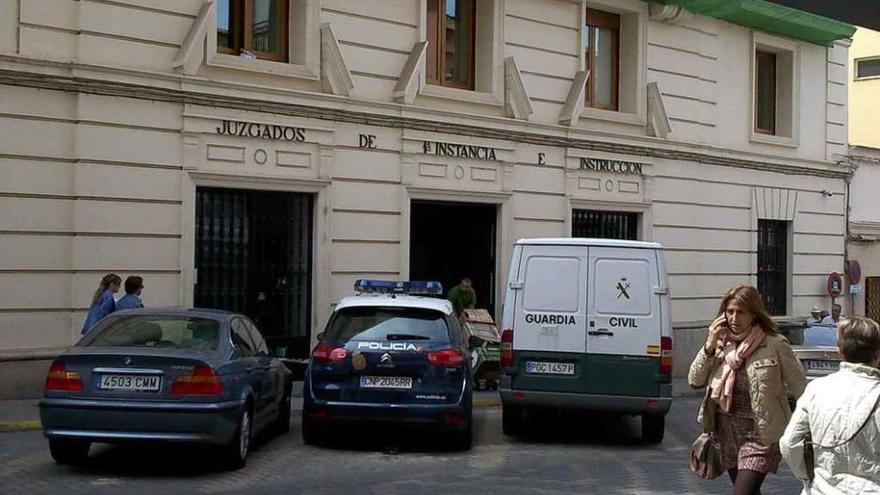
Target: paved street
581 455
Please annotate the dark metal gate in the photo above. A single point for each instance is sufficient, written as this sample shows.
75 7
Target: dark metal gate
773 264
872 298
599 224
253 255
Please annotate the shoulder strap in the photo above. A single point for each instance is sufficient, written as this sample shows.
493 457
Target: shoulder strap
841 444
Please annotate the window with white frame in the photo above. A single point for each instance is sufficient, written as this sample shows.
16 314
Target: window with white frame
613 37
274 36
465 49
867 68
775 79
602 58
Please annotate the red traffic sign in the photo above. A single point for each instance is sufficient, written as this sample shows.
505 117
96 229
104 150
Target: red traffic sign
835 284
853 271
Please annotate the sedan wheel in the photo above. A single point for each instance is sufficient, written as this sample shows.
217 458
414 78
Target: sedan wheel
68 451
239 445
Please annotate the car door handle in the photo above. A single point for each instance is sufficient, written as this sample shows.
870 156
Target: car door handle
601 331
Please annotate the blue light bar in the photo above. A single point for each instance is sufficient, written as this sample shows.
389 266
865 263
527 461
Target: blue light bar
429 288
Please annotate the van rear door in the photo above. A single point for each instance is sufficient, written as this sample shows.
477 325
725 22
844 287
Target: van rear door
623 336
550 307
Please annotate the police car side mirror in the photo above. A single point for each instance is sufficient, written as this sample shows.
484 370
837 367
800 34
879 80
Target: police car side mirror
474 341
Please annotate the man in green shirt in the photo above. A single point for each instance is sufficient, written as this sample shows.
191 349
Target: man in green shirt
462 296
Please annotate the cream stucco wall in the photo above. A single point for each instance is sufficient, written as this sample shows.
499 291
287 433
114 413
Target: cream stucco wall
103 141
864 136
864 113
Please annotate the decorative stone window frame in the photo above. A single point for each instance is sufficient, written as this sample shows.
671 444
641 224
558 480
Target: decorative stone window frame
304 44
633 66
488 55
788 82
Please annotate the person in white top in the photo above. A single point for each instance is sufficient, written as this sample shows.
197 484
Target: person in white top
815 316
834 318
839 418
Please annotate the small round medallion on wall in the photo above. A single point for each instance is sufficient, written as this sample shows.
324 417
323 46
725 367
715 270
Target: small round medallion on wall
261 157
609 185
458 172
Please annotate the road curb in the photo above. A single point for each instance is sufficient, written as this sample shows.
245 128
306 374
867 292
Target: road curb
21 426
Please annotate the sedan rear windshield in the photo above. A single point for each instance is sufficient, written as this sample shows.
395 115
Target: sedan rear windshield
819 335
175 332
387 323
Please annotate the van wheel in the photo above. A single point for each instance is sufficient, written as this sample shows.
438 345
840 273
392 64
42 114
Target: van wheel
653 427
66 451
511 420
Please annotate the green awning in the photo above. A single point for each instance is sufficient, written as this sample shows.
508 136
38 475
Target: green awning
772 18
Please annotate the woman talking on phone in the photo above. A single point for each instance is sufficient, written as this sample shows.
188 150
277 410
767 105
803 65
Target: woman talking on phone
746 366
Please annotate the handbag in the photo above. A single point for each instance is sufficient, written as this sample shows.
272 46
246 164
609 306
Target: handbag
705 458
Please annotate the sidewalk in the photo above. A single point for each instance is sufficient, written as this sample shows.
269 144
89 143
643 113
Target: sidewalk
16 415
19 415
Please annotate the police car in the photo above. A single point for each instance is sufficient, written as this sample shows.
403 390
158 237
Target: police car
390 355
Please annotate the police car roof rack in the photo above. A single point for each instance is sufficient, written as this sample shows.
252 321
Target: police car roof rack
394 287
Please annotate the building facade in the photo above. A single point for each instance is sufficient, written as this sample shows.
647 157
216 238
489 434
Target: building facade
263 155
864 136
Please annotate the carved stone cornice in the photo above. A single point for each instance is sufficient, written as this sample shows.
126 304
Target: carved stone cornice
321 111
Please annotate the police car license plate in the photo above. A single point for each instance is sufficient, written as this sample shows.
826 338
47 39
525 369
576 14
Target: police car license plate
548 368
130 382
818 365
393 382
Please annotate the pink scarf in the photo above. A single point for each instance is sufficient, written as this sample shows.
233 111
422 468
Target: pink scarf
734 357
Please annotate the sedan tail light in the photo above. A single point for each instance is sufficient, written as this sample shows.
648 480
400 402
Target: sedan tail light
451 358
202 381
665 355
61 379
507 348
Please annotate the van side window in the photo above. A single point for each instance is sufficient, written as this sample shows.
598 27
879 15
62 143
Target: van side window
551 284
622 287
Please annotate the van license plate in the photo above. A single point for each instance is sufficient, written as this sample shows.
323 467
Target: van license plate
547 368
130 382
393 382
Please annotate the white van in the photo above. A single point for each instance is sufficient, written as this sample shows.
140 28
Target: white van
586 326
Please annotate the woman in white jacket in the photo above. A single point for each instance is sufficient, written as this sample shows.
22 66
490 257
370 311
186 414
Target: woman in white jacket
841 414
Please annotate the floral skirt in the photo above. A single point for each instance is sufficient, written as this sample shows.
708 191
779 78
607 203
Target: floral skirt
738 446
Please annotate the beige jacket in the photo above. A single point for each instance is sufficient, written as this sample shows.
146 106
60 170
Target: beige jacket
771 368
841 413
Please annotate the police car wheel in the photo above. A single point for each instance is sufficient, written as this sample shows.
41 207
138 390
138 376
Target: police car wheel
653 427
311 433
464 440
511 420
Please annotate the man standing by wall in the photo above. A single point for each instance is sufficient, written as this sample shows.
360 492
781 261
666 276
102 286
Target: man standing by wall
834 317
134 285
462 296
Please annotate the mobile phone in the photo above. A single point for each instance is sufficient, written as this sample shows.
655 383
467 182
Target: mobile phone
726 321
